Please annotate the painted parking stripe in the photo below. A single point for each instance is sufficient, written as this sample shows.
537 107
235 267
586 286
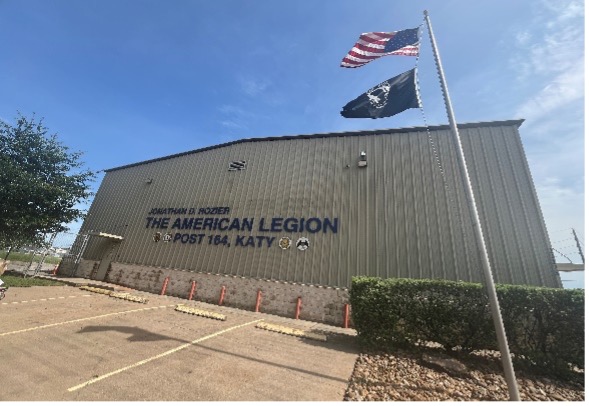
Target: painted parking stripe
43 300
163 354
77 320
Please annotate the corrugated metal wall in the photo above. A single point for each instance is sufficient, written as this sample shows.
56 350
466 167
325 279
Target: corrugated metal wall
397 217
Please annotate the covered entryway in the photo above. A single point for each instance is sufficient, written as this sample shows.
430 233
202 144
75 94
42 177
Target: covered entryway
111 244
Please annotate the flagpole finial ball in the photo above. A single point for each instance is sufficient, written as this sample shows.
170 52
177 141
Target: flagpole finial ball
425 13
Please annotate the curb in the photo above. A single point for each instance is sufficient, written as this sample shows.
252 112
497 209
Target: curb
291 331
118 295
96 290
129 297
198 312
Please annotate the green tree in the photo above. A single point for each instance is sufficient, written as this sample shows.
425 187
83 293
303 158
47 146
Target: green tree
41 182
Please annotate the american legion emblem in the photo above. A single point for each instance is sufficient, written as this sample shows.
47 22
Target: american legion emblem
284 243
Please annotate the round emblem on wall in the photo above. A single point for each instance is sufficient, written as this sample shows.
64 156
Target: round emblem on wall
157 237
302 243
284 243
167 237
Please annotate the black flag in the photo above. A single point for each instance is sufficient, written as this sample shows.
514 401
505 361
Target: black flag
385 99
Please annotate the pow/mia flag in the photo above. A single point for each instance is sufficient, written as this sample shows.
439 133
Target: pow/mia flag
385 99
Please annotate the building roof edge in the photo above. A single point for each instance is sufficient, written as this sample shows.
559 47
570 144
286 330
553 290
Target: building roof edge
503 123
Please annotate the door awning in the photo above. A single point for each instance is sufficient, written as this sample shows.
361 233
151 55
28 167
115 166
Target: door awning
106 235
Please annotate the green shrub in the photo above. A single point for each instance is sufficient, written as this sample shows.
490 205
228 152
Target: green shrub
544 326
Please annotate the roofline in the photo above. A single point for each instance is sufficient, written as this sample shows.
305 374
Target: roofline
516 122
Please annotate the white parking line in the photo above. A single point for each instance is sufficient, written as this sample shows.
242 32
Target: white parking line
51 298
77 320
163 354
43 300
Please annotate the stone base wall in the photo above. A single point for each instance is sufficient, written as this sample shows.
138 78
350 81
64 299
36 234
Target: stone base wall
318 303
85 269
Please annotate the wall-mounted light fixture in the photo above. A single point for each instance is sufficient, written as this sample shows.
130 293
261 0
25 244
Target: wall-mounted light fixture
362 161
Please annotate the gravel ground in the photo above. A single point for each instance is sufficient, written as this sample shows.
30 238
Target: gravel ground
432 376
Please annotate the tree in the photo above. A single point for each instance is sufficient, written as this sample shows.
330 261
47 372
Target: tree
41 182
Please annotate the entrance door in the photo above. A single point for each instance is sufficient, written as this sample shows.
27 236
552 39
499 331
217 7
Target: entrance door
100 273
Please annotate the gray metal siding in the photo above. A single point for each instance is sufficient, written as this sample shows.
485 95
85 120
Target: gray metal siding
512 217
397 217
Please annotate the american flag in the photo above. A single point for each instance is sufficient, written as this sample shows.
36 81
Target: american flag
373 45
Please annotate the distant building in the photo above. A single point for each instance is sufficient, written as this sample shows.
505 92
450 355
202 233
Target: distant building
299 216
570 267
59 252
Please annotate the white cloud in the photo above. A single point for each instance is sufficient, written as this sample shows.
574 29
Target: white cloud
232 124
556 47
238 118
253 87
565 10
549 65
558 93
523 38
560 206
231 109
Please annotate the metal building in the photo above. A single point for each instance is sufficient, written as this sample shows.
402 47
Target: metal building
319 209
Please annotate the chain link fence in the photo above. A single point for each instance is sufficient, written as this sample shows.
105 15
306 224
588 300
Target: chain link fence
57 250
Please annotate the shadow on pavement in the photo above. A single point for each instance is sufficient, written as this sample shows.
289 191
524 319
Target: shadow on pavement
339 342
135 333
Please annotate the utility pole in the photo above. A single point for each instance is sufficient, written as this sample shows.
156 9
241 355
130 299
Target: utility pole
578 246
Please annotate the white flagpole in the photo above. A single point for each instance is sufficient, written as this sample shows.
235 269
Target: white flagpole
490 285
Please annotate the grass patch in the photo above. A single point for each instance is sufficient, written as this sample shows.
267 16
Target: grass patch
20 282
24 257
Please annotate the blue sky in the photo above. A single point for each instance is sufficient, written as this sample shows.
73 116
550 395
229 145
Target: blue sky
125 81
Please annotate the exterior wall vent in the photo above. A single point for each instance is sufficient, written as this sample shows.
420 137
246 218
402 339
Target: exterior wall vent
237 166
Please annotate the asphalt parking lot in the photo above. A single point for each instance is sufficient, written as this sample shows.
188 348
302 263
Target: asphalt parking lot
63 344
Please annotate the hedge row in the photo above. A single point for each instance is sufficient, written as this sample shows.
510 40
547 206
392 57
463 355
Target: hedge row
544 326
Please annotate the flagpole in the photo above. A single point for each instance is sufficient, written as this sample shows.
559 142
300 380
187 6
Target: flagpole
490 285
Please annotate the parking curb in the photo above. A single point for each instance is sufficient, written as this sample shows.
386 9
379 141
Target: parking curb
129 297
118 295
96 290
291 331
199 312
